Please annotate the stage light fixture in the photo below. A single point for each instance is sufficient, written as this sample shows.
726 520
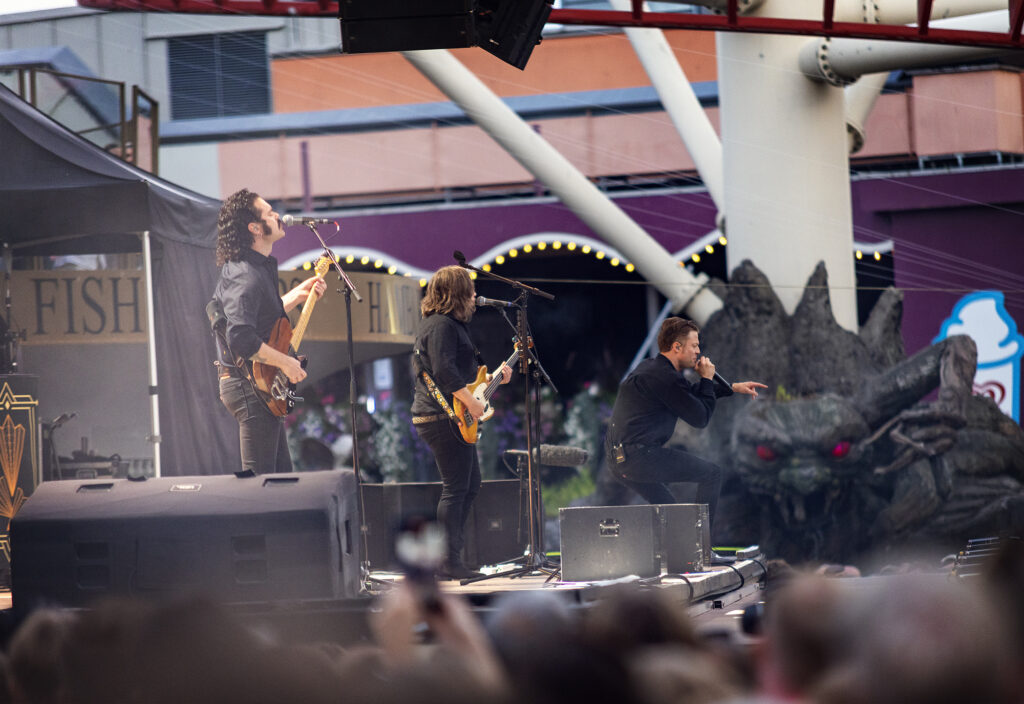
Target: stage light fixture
509 29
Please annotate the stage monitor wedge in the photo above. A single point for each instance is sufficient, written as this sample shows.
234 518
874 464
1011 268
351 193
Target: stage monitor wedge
509 29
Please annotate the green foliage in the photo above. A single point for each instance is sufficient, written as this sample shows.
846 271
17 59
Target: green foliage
781 394
560 495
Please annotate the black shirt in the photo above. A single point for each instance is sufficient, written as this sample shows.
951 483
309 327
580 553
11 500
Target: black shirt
445 350
247 290
653 396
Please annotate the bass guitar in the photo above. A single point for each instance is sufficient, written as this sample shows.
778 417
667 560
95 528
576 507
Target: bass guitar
481 388
272 384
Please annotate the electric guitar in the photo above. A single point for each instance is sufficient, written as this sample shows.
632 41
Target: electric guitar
481 388
275 390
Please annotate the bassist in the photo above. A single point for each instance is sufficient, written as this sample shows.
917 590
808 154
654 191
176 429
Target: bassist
445 352
247 229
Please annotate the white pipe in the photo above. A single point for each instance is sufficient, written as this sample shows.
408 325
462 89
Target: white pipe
787 181
680 103
841 61
860 99
557 173
154 398
869 11
905 11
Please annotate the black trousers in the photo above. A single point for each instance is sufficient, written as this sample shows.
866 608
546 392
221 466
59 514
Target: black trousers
460 481
648 469
261 434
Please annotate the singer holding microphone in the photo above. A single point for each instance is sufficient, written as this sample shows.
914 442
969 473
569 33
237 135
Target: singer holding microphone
445 361
247 229
650 400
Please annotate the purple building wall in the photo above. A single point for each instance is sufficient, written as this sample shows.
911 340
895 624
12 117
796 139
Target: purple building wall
952 233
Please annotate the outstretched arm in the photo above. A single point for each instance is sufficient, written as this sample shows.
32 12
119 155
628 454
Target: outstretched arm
748 387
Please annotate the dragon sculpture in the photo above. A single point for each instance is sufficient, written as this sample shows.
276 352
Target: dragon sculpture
855 455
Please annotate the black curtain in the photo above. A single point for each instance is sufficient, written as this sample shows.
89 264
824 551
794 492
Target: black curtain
199 436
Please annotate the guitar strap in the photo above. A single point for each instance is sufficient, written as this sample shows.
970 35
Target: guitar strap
434 391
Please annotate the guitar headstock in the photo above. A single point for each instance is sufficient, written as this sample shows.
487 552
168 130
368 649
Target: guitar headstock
322 266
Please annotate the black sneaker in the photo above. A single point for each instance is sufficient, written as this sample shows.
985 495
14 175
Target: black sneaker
458 572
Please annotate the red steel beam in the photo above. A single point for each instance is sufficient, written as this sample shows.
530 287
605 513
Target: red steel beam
1016 19
828 13
612 18
638 9
924 16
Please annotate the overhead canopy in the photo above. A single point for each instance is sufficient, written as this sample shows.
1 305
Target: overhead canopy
60 194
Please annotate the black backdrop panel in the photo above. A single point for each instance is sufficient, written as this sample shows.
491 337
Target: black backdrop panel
496 530
264 538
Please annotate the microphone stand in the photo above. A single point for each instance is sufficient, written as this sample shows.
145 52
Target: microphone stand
535 560
350 291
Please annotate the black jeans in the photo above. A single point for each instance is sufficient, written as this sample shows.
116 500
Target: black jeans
647 470
261 435
460 481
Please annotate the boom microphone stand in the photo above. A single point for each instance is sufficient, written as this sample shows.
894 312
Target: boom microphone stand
535 560
350 291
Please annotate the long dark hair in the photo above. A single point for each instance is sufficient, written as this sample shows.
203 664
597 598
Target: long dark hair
449 290
233 235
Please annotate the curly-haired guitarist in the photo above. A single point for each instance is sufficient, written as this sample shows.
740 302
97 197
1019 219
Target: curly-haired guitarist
247 229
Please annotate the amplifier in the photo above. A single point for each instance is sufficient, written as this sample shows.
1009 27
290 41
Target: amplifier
609 542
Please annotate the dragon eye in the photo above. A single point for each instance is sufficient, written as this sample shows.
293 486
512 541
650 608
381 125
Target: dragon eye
765 453
841 450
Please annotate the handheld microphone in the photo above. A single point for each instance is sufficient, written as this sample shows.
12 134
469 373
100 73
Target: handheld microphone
719 378
296 220
481 301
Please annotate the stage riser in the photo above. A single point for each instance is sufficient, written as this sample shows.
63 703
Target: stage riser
609 542
265 538
497 528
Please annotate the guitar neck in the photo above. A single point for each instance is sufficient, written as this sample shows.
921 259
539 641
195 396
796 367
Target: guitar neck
496 379
300 327
307 309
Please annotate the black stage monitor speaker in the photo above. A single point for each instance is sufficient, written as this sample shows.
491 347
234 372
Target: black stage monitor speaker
609 542
497 528
262 538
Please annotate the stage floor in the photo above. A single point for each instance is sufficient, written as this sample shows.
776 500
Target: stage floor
714 599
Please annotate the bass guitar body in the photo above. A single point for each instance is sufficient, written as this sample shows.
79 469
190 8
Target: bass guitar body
481 388
469 428
278 393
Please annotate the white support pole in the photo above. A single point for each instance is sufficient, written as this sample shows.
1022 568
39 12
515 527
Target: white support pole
786 171
860 99
558 174
680 102
154 398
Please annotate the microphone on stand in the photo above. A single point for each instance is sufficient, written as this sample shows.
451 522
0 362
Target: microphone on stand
298 220
459 257
555 455
481 301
